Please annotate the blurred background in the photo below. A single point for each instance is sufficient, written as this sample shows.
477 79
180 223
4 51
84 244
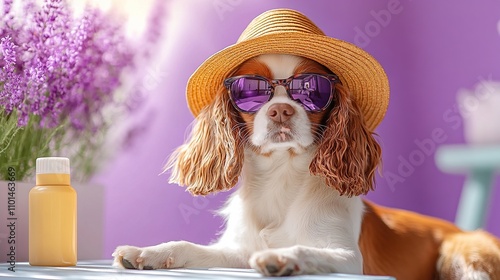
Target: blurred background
431 51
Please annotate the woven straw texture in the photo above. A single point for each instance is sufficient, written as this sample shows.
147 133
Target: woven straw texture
284 31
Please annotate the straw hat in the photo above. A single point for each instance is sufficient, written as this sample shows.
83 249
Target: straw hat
285 31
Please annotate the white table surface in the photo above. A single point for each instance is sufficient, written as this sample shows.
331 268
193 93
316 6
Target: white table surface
102 270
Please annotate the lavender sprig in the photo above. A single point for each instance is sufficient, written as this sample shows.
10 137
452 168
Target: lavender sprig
65 67
58 73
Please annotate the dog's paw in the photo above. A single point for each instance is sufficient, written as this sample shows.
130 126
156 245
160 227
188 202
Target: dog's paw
276 262
167 255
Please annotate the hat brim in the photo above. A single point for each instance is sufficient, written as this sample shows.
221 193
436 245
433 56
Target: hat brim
357 70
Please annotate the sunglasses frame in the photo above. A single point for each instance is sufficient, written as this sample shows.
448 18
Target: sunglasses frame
332 78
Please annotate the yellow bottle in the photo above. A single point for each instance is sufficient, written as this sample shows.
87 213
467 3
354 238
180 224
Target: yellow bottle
52 215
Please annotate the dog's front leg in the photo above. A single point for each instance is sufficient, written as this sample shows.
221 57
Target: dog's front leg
307 260
178 254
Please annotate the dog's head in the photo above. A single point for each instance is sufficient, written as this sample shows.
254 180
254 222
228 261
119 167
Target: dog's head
274 103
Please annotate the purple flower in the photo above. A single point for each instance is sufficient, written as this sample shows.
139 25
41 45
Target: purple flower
7 5
11 94
61 71
60 68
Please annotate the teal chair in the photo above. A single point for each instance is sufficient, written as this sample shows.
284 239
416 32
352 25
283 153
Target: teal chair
480 164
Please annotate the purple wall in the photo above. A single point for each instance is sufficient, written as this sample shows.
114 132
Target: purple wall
430 49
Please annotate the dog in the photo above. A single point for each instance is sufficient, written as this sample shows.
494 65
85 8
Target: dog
298 208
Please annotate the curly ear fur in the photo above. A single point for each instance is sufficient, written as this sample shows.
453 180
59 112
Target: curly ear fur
347 155
212 158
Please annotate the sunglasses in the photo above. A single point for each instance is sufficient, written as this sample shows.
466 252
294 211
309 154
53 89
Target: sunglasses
314 92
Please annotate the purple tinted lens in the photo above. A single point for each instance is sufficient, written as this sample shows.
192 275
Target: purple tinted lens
249 94
312 91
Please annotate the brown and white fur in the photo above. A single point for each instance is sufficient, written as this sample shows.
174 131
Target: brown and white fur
298 208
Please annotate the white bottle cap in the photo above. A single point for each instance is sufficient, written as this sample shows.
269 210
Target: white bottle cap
52 165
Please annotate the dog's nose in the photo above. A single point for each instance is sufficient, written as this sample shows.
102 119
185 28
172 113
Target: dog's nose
280 112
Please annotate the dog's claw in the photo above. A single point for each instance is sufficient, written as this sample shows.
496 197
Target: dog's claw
287 272
271 268
127 264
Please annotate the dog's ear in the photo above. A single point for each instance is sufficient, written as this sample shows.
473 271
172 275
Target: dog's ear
212 157
347 155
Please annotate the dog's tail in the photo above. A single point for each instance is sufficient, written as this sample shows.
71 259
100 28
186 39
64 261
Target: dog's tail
469 255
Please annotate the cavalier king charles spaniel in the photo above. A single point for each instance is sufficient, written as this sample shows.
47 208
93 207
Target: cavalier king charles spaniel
290 132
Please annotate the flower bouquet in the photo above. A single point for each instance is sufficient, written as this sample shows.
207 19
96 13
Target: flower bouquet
59 77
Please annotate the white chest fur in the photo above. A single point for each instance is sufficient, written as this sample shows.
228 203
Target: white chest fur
279 204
